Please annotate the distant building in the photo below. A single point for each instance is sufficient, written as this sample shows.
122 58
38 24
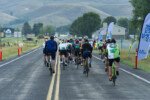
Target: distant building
118 32
17 34
8 32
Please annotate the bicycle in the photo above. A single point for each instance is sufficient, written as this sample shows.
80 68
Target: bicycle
69 58
78 61
50 66
63 59
114 76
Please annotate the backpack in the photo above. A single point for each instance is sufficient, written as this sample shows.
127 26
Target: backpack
51 46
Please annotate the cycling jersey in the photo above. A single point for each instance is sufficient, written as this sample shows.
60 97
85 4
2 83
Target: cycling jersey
113 51
101 44
63 46
86 47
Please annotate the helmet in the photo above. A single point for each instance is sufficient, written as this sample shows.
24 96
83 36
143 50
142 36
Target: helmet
85 37
113 40
108 40
77 41
52 37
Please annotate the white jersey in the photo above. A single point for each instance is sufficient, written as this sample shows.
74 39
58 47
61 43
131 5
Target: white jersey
43 45
113 51
63 46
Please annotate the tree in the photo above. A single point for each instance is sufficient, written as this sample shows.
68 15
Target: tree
86 24
26 29
48 30
36 28
63 29
110 19
140 10
123 22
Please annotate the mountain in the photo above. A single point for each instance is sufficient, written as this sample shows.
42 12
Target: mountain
62 12
5 18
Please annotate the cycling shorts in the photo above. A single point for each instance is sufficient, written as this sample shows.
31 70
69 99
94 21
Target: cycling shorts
63 52
69 51
112 60
52 54
44 51
77 52
87 54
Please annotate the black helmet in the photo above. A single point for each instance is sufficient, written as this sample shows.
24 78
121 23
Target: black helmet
113 40
52 37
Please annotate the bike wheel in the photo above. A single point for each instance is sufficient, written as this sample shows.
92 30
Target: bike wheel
77 63
63 65
87 70
114 76
50 68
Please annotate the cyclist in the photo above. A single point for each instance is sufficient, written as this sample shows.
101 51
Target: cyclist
69 49
87 52
44 52
113 53
77 50
51 49
100 45
106 57
72 51
63 51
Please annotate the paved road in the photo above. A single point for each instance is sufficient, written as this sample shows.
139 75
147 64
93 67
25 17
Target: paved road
27 79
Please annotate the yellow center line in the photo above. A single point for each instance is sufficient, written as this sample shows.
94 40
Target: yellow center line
58 82
49 95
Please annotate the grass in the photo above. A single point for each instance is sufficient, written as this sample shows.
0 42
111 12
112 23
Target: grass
130 61
12 51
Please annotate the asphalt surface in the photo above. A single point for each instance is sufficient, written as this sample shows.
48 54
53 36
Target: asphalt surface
25 78
28 79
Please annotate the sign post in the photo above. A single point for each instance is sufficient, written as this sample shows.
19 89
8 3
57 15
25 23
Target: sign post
136 58
121 42
130 47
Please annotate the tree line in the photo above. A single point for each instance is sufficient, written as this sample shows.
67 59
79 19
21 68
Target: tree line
37 29
90 22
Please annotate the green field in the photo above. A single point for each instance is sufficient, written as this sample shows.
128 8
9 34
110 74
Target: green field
130 61
12 50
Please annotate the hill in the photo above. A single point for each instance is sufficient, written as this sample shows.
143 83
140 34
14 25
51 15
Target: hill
5 18
62 12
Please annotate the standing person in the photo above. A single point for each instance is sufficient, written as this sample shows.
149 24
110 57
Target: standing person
100 45
113 53
51 49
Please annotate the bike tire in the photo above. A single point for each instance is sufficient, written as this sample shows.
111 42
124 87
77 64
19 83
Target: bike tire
63 65
114 77
77 63
50 69
87 71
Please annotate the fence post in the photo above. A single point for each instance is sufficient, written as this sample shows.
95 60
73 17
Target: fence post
136 58
1 54
18 51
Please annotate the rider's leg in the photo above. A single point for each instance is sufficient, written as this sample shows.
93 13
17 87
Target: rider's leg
110 68
47 58
118 63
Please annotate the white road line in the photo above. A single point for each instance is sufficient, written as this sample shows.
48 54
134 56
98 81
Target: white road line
141 78
18 58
